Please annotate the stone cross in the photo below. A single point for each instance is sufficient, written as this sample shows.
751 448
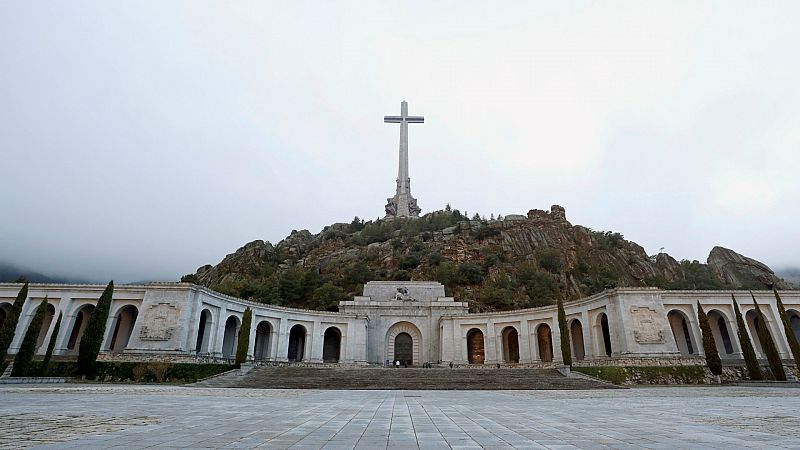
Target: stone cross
403 204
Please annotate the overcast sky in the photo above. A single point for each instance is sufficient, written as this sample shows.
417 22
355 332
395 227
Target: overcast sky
142 139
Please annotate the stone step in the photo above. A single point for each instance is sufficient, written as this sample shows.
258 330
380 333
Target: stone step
287 377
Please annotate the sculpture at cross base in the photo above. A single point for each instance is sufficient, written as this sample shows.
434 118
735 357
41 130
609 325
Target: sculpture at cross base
403 204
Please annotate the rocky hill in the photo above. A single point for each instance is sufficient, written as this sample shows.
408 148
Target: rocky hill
512 262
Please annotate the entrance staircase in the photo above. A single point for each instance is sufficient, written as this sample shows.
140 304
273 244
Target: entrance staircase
289 377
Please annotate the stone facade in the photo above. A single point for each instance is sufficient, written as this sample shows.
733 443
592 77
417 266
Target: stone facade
413 322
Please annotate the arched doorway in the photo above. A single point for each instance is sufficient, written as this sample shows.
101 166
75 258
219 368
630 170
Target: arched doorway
297 343
545 341
204 332
605 334
510 345
404 349
46 322
680 330
794 321
123 328
576 340
231 337
475 350
754 325
4 308
262 345
720 331
331 345
79 322
394 354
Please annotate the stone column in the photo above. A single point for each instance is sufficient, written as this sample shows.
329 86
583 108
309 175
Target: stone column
317 336
776 328
588 339
490 346
694 330
447 350
274 336
251 345
555 339
111 322
194 328
62 339
282 354
25 316
525 353
219 332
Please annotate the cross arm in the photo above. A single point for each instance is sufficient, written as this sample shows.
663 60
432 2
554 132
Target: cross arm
399 119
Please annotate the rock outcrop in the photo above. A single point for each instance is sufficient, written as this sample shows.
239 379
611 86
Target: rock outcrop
738 270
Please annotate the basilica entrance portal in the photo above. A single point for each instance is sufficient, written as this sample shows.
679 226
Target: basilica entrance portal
404 349
403 343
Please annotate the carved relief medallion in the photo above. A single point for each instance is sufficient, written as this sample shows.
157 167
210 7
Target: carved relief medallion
159 322
646 329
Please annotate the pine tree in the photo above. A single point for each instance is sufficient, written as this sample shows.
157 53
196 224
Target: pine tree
50 347
10 324
24 357
768 344
713 361
566 351
92 338
244 337
794 346
748 353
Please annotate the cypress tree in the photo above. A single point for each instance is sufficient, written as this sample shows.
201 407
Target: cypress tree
566 351
10 324
92 337
24 357
768 344
748 353
794 346
50 346
713 361
244 337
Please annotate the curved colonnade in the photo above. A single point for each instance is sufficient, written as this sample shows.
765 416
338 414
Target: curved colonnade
177 319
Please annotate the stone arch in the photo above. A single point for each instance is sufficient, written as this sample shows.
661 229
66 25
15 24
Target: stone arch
544 339
576 340
476 352
604 334
510 344
331 345
124 320
794 321
46 322
754 324
204 331
721 331
679 324
231 337
79 321
4 308
416 340
261 348
297 343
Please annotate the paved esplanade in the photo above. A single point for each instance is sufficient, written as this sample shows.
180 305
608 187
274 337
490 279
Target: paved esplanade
403 204
168 416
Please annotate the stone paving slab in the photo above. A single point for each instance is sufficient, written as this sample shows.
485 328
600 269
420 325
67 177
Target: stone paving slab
135 416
